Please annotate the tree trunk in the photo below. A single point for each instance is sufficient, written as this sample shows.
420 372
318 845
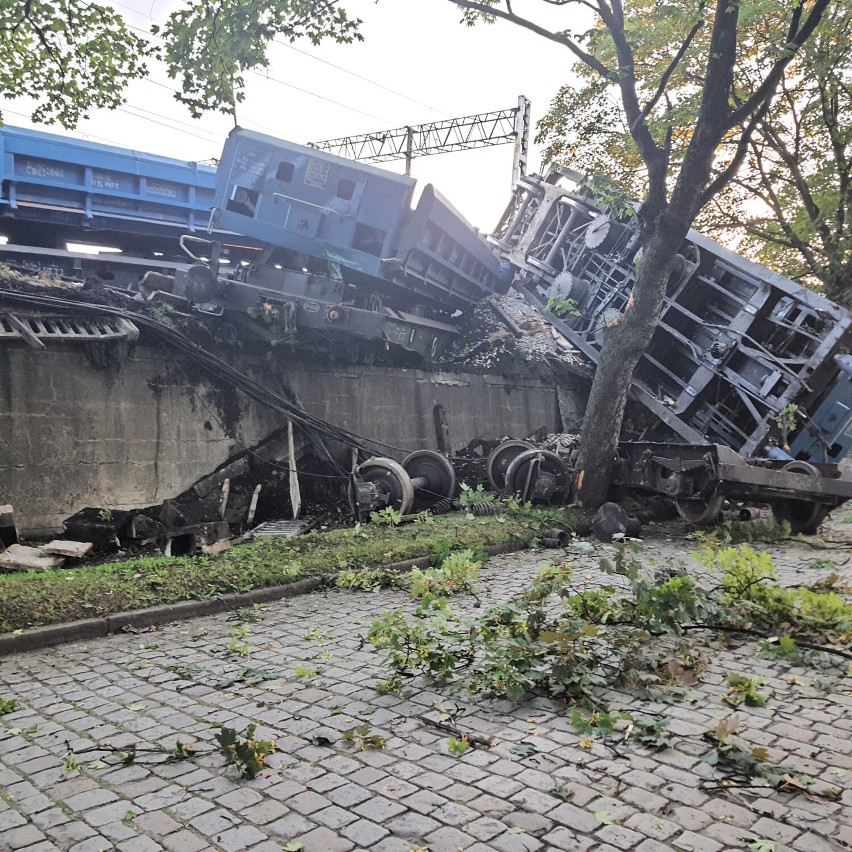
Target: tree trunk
623 345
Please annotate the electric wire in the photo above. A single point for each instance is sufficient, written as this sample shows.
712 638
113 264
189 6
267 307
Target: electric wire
270 78
365 79
226 373
250 450
213 365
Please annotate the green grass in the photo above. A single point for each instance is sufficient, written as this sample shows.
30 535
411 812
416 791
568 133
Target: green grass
52 597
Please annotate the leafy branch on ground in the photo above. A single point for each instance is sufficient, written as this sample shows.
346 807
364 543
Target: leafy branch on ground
556 639
364 738
8 705
454 576
743 764
243 750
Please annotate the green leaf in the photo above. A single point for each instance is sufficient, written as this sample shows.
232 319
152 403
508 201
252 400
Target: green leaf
137 705
604 817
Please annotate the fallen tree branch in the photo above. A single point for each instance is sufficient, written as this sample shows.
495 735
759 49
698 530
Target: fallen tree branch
475 740
750 631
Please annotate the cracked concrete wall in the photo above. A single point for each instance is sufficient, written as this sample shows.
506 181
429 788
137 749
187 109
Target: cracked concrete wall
72 435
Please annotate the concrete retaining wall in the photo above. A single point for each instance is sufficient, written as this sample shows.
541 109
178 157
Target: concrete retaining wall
72 435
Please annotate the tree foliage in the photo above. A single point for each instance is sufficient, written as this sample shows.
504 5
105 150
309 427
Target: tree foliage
75 56
211 44
800 169
789 202
673 70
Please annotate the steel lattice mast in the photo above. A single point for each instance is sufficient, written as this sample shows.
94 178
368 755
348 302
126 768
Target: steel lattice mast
439 137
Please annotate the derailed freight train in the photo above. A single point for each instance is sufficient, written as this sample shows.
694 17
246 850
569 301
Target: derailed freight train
741 356
318 251
346 257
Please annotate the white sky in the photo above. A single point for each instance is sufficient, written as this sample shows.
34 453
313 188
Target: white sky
435 67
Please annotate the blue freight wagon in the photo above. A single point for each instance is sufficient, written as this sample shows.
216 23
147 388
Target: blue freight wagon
77 186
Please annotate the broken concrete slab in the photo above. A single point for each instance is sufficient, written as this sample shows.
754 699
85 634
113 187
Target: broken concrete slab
18 557
188 540
64 547
102 527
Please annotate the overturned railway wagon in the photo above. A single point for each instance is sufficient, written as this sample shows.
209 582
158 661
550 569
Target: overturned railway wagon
741 356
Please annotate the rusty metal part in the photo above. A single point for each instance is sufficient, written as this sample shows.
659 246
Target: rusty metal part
432 477
748 513
499 460
802 515
698 476
441 507
556 538
538 476
377 484
480 510
700 511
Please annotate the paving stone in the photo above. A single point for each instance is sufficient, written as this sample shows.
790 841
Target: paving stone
20 837
453 813
562 838
184 841
69 833
91 844
89 799
139 844
156 823
264 811
10 819
412 825
619 836
652 826
773 830
349 795
324 840
510 842
290 826
693 842
448 839
240 837
574 818
308 802
484 828
362 832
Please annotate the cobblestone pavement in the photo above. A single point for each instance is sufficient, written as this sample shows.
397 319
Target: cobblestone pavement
153 688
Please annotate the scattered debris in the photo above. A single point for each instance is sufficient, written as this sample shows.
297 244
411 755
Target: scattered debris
8 530
71 549
18 557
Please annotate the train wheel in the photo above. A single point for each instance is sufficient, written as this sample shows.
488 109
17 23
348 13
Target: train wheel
438 470
499 460
803 516
539 476
700 511
390 477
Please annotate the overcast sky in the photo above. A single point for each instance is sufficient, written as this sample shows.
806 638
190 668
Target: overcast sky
424 66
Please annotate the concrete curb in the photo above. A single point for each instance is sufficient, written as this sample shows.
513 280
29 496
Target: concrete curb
96 628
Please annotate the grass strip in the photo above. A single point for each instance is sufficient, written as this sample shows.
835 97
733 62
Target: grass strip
53 597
